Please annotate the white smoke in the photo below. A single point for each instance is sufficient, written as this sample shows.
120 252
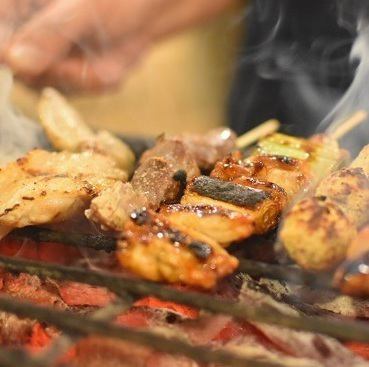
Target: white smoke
18 134
357 95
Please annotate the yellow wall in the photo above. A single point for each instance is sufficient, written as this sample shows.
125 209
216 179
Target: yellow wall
182 84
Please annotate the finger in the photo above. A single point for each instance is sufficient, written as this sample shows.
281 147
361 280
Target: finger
12 14
47 37
95 73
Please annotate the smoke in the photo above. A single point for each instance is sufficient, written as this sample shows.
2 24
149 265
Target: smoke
18 134
298 64
353 15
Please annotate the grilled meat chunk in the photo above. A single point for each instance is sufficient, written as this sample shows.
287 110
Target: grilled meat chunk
66 130
210 147
261 201
288 173
316 234
112 208
155 177
98 170
155 249
220 224
349 189
41 200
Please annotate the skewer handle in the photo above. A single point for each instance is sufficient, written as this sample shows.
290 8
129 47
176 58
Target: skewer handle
349 124
253 135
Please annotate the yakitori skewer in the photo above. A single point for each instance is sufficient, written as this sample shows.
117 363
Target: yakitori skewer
317 231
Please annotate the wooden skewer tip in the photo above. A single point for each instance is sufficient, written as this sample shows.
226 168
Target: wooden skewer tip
253 135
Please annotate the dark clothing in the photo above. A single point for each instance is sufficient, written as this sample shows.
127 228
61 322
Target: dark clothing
294 66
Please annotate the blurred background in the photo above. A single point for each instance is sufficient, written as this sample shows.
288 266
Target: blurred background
182 84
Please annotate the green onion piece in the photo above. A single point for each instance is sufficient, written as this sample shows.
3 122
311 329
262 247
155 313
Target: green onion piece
269 148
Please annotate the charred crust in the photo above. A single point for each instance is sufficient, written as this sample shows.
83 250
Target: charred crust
181 177
162 229
43 193
228 192
30 198
200 249
8 210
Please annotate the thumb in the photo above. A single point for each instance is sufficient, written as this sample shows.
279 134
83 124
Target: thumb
47 37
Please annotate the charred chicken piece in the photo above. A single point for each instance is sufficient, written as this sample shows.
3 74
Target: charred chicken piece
163 170
352 277
288 173
112 208
316 234
261 201
156 250
96 169
221 224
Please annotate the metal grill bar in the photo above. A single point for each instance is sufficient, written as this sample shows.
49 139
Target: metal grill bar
108 244
84 326
341 329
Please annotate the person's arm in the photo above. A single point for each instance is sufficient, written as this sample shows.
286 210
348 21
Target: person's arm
90 44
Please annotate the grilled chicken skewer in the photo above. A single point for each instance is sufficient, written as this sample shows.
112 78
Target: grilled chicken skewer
317 231
245 197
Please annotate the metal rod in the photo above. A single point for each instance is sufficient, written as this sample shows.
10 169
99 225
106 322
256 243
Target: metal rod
96 242
252 268
286 273
16 358
341 329
76 324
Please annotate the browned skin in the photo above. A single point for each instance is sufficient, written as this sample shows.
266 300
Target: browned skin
348 188
155 249
288 173
316 234
264 216
221 224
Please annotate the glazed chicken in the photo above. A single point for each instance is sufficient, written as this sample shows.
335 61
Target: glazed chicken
235 183
155 249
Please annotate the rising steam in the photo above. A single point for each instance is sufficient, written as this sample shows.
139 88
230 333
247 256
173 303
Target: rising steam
18 134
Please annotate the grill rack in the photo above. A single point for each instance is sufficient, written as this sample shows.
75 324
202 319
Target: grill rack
127 289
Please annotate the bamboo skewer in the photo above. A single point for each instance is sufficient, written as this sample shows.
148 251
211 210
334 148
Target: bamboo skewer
84 326
349 124
255 134
341 329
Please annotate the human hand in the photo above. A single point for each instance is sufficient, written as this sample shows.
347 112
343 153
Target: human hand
91 44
